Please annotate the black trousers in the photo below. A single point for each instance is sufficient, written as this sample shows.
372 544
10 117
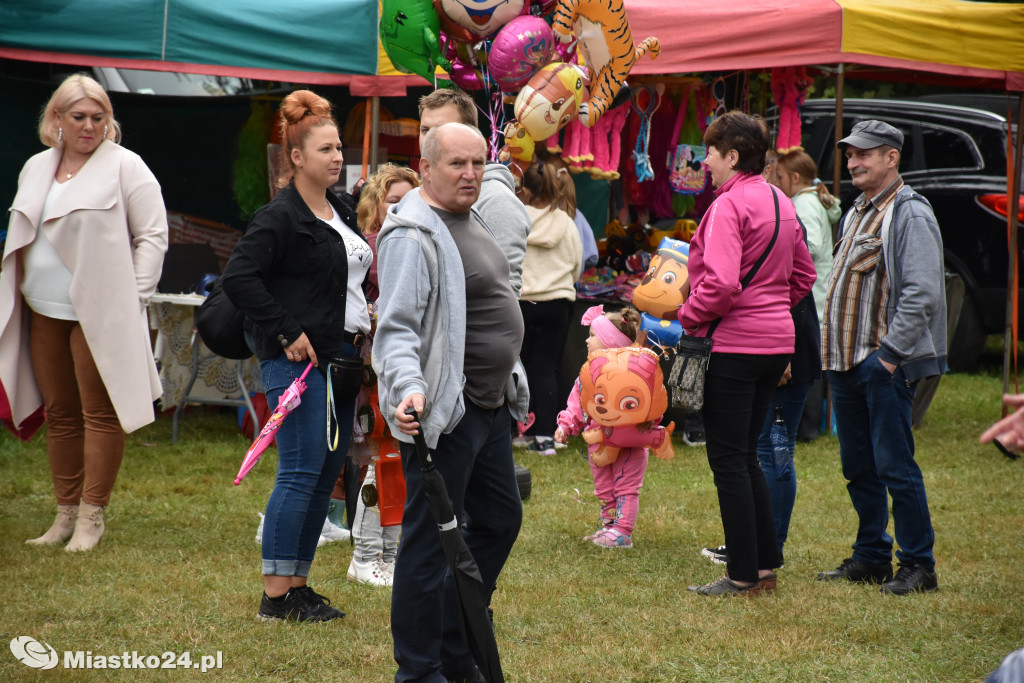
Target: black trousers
475 460
737 395
546 326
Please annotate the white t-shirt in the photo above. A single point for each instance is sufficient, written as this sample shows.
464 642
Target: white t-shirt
46 285
360 257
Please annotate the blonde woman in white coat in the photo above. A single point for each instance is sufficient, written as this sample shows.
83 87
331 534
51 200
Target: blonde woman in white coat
85 246
554 259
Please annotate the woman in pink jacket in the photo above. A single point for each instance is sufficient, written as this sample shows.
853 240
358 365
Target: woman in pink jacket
754 339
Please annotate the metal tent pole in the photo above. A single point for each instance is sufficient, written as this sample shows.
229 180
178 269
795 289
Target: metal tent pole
1012 210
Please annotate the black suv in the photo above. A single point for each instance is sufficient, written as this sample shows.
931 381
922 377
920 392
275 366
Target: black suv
956 157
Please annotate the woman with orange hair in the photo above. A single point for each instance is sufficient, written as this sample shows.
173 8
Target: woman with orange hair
297 274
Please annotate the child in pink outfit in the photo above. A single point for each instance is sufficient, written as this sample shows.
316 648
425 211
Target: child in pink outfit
616 485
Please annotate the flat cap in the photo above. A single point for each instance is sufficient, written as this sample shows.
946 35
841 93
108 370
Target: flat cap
870 134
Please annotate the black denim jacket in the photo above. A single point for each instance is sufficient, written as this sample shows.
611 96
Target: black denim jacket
289 274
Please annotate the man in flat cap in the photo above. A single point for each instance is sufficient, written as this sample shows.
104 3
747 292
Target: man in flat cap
884 330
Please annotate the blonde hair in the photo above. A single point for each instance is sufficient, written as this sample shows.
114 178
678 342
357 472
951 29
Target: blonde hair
301 112
375 191
796 160
74 88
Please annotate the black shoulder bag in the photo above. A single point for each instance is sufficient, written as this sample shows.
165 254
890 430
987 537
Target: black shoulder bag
685 379
220 325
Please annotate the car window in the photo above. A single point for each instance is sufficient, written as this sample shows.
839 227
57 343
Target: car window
948 149
172 83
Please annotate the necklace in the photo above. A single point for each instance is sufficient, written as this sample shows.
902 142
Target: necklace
69 171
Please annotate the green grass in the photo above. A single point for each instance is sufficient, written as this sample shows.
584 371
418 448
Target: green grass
178 570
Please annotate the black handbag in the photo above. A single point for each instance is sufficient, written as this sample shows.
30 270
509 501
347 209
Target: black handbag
345 377
689 363
220 325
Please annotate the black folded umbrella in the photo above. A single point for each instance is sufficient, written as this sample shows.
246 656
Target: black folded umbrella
471 594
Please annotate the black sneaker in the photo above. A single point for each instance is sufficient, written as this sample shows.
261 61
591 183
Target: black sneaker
543 445
717 555
318 606
910 578
851 570
294 606
284 607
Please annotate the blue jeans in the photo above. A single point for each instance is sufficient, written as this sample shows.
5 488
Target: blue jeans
782 482
306 469
475 460
876 446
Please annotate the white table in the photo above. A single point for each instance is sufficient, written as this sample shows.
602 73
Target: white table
189 371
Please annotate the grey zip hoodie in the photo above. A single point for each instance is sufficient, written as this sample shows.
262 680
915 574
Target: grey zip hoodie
421 328
915 315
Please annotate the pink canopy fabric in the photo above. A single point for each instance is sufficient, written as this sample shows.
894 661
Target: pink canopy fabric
970 39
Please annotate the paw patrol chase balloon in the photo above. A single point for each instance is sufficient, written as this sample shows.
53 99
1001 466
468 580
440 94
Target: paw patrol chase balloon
663 290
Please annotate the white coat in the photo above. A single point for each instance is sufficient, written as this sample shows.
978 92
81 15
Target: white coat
109 227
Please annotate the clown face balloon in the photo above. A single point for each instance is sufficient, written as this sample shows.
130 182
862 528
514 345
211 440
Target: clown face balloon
482 18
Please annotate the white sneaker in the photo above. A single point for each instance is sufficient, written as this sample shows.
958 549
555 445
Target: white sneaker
259 529
374 573
521 441
331 533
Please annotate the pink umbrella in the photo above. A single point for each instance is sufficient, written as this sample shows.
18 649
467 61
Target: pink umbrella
289 400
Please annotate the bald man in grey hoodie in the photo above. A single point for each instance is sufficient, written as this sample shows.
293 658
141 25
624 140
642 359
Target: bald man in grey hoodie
498 205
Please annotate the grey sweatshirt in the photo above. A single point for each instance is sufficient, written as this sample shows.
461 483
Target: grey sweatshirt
421 329
506 218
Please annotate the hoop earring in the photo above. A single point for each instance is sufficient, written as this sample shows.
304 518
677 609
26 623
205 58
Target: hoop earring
60 135
105 128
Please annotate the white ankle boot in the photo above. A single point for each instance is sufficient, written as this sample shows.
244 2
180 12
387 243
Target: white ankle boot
62 527
88 529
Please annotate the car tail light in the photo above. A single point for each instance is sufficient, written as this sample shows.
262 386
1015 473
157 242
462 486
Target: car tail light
999 203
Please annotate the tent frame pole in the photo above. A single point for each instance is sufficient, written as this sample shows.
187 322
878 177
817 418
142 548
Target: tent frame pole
1012 210
374 133
837 177
837 165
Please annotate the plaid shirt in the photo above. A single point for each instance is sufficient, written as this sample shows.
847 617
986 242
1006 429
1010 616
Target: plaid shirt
858 288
